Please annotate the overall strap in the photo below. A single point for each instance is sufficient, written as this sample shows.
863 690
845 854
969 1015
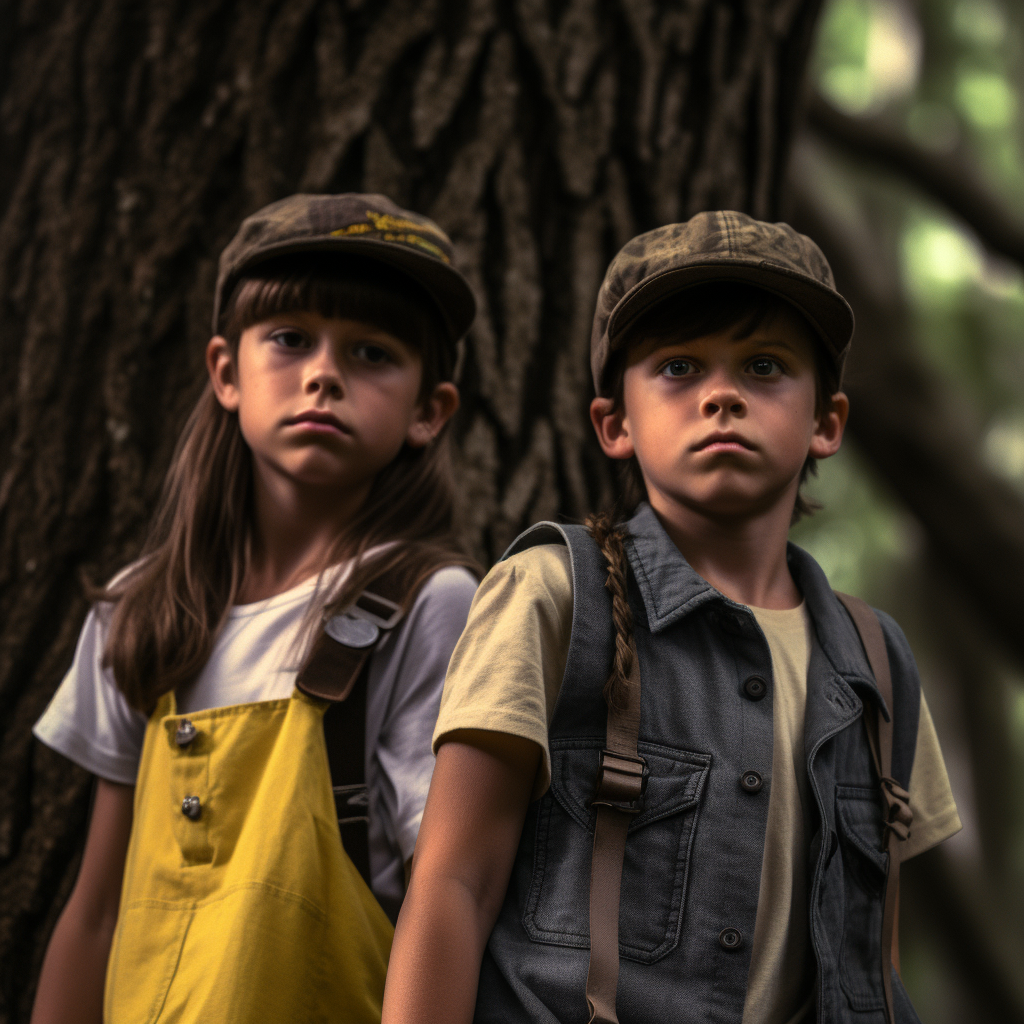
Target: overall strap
337 670
898 815
618 796
345 736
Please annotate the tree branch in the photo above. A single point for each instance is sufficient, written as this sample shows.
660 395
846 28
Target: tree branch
948 178
906 422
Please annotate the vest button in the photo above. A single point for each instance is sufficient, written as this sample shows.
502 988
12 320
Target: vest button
186 733
751 781
754 688
730 939
191 807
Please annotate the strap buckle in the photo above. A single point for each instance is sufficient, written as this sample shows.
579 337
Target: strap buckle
383 613
351 803
898 816
621 782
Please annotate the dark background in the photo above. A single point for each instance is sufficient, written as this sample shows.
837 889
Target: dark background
542 134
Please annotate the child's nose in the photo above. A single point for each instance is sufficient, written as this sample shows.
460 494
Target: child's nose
324 374
722 394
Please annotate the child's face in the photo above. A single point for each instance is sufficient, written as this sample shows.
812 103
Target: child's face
326 401
722 426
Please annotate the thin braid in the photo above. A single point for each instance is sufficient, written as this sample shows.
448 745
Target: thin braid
609 538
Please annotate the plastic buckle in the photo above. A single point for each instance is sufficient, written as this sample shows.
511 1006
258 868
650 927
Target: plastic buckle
621 782
384 614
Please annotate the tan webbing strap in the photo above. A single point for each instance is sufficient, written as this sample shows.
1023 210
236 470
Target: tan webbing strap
618 797
897 800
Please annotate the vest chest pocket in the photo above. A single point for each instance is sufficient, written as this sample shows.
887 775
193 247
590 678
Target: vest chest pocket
657 857
859 823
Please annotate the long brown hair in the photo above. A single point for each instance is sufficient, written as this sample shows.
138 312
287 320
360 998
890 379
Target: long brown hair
171 604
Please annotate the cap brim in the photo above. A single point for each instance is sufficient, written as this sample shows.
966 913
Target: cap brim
445 285
826 310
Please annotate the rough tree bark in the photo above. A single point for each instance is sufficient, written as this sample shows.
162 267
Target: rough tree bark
540 133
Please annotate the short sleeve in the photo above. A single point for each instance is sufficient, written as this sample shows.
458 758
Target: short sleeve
89 720
508 665
935 817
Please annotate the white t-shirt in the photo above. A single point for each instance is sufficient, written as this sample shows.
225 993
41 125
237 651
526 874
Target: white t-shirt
254 658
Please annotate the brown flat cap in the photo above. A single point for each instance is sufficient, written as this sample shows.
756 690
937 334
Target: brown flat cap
718 245
351 222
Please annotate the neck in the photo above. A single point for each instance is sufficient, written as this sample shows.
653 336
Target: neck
743 557
296 528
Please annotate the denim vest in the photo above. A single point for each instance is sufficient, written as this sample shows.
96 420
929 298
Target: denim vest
692 866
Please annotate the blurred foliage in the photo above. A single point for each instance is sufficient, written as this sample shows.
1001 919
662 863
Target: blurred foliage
948 74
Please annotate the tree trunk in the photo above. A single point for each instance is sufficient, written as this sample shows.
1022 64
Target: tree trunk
540 134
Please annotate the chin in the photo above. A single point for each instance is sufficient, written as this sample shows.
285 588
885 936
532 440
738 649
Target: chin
312 474
730 502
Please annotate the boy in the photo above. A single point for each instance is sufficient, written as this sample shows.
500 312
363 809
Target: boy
753 875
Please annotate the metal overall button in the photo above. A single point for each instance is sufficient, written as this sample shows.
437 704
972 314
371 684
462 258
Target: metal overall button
730 939
754 688
186 733
191 808
751 781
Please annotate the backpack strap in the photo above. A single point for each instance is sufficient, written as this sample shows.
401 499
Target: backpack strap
898 815
618 794
337 670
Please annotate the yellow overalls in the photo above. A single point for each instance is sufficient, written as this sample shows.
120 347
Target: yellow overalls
239 903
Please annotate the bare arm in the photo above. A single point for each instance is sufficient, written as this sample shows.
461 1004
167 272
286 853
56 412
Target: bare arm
464 853
71 983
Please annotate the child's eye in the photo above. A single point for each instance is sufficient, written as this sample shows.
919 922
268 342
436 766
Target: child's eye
289 338
678 368
765 367
372 353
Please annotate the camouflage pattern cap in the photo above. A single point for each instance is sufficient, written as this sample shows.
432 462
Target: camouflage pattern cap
719 245
367 225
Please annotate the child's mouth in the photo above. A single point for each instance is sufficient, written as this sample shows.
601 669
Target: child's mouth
318 421
723 442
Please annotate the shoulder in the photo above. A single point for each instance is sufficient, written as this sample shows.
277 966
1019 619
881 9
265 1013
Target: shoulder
536 576
451 583
444 598
437 615
88 720
896 641
544 566
906 696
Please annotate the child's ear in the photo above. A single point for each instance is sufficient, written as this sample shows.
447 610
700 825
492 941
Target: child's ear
221 368
829 427
432 414
612 428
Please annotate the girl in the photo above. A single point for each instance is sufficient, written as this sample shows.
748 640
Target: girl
310 486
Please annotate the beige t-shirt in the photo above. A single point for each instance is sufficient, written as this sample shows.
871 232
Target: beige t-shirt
505 675
781 979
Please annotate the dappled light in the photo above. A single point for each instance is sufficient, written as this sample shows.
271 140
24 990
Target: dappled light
922 178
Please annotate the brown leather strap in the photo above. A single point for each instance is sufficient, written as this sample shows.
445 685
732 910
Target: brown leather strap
333 664
898 816
618 797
